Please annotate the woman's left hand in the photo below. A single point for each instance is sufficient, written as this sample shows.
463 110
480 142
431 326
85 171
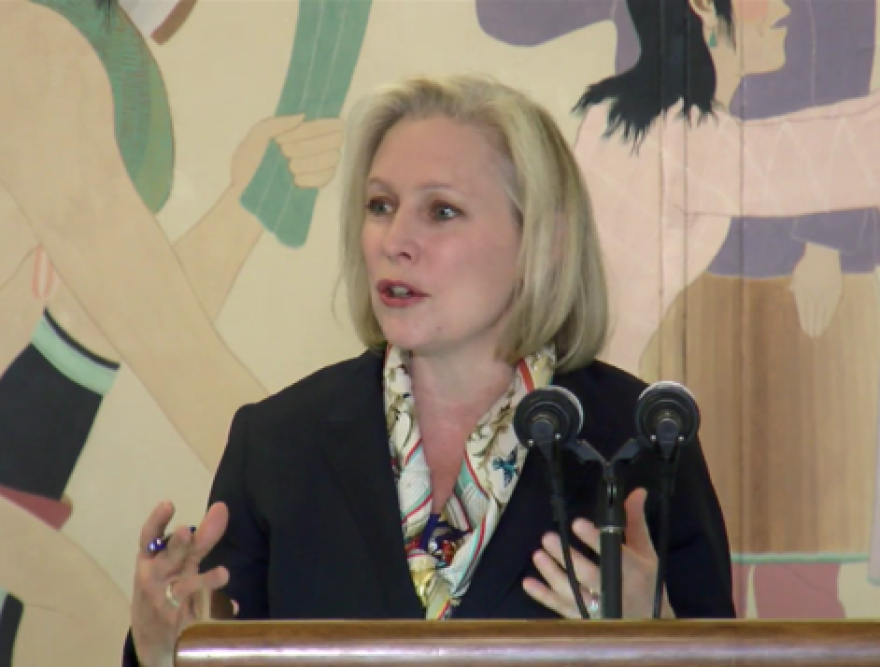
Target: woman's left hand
639 566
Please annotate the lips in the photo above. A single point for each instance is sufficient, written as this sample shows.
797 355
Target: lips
781 21
398 289
398 294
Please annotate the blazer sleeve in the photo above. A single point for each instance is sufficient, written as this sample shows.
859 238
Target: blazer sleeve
698 575
244 548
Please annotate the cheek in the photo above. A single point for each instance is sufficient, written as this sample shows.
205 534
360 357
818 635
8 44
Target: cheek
751 11
370 245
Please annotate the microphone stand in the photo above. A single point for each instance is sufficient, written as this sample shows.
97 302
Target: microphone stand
552 451
668 445
611 522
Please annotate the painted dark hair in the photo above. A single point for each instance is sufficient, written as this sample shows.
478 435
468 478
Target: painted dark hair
674 65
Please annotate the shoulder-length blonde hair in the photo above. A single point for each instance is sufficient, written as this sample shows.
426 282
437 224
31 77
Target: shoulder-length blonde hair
561 294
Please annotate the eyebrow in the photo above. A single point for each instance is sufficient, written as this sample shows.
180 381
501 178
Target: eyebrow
430 186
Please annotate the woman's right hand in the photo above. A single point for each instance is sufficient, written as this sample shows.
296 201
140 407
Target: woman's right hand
169 590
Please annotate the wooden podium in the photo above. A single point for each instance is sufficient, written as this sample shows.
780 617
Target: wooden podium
531 644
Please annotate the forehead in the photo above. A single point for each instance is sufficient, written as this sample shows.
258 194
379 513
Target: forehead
438 149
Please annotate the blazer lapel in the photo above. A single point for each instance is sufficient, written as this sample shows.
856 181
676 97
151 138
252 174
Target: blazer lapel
518 534
358 453
529 515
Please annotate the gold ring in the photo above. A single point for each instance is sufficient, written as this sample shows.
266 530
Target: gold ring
169 595
594 605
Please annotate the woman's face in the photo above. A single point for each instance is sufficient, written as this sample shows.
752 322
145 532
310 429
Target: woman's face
760 39
440 238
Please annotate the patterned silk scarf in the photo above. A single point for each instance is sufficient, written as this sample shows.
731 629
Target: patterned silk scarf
443 549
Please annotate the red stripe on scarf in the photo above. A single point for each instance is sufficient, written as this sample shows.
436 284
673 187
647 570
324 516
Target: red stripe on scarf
416 509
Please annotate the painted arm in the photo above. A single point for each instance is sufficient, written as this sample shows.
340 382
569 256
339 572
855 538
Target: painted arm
66 595
216 248
817 160
59 159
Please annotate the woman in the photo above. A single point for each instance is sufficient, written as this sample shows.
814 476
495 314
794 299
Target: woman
669 166
473 274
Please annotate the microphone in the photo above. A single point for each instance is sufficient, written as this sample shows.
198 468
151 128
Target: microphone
551 418
667 414
546 416
667 417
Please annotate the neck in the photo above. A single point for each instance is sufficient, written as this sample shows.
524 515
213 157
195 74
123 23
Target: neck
728 72
461 384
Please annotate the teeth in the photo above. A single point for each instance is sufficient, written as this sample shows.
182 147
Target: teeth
397 290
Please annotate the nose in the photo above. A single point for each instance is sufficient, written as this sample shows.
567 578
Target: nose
401 241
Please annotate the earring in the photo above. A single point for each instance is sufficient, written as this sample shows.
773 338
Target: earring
713 39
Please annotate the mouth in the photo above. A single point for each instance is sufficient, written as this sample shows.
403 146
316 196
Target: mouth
397 293
781 22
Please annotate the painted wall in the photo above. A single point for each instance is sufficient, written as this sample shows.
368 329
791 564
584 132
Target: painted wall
168 252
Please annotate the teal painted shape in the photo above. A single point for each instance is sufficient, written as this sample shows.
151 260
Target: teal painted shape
140 102
326 48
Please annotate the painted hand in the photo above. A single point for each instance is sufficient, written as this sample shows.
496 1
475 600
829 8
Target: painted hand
817 284
312 149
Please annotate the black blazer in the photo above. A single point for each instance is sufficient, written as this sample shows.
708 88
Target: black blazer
314 529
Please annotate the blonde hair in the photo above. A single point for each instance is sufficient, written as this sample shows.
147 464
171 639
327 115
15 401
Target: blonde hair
561 296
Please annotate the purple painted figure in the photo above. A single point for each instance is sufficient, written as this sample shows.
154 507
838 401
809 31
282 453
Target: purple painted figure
819 47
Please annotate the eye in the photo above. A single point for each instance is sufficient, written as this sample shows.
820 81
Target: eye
378 207
441 211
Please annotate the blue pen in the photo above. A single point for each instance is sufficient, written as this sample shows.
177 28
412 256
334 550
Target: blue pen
160 543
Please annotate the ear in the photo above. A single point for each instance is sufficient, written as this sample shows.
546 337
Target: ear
705 10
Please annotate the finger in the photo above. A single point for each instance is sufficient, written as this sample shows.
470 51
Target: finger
547 597
209 532
587 533
811 318
298 148
562 598
585 572
269 128
312 129
194 592
170 562
638 537
819 314
822 319
316 179
155 526
313 164
802 313
187 586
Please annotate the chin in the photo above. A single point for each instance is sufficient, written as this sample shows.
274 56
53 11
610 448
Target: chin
776 54
770 62
768 54
411 341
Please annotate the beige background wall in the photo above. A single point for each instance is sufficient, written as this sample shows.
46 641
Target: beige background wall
204 310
